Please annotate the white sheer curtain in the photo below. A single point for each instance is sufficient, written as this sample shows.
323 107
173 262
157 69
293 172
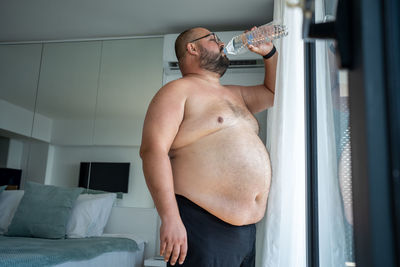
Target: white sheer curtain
281 235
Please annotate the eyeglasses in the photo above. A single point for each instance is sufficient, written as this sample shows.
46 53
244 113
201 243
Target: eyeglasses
216 39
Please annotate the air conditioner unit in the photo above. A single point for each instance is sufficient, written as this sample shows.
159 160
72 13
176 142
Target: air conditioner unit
247 60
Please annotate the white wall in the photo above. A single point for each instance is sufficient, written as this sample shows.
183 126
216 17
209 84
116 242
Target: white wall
66 162
42 127
15 154
49 165
15 119
37 161
72 132
19 120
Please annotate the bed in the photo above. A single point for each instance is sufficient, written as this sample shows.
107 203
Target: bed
127 237
92 251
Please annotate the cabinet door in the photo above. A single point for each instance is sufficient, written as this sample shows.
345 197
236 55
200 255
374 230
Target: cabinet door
131 73
67 91
19 70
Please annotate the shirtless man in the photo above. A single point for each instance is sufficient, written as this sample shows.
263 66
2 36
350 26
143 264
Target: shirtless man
205 166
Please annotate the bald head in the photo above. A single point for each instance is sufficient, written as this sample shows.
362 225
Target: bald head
183 39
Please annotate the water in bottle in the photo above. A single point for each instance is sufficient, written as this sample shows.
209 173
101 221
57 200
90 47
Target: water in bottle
263 34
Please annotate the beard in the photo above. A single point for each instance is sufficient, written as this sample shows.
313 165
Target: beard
214 62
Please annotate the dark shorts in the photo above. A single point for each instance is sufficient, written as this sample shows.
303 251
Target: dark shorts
213 242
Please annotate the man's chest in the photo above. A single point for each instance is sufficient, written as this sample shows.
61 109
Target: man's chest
216 112
206 114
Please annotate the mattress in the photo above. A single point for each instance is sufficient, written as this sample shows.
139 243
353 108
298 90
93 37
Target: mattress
119 258
108 250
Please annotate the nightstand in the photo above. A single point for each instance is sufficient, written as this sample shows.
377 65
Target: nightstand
155 262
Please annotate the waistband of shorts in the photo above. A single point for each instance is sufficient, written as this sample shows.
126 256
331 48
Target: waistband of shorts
184 202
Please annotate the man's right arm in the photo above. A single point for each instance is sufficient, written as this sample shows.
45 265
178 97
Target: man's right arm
163 118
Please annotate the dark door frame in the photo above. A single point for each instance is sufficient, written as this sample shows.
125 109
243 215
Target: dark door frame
371 123
374 95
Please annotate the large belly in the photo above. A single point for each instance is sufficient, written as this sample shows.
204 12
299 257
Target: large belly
227 173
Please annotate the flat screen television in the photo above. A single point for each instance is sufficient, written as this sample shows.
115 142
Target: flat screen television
11 177
105 176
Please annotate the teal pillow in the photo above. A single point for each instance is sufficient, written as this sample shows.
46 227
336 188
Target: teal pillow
2 188
44 211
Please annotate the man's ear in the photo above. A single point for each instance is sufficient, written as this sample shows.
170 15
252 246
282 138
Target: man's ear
192 49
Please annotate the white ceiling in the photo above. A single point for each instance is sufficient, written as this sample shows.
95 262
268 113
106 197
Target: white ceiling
45 20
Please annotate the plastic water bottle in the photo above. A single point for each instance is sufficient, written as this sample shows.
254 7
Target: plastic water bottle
263 34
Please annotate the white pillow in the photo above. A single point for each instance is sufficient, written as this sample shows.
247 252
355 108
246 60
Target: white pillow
89 215
9 201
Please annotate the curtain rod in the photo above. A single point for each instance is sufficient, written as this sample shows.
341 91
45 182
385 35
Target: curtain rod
83 39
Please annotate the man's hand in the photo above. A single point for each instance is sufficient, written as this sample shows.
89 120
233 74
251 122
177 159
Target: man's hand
173 241
262 49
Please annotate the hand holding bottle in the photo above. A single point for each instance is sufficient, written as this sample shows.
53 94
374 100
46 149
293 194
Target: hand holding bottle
258 37
262 48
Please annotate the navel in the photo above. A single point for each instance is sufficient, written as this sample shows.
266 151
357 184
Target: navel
220 119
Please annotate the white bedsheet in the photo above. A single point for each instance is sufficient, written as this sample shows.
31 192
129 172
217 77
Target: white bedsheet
117 258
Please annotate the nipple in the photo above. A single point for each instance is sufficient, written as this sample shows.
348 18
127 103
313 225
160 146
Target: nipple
220 120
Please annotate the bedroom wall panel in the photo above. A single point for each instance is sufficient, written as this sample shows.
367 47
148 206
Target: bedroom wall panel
131 73
72 132
49 165
15 119
68 89
37 162
15 154
19 72
42 127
